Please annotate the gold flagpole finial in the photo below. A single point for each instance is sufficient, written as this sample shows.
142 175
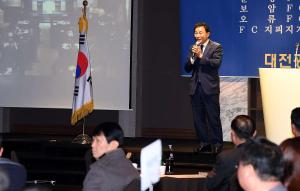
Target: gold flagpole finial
83 22
85 4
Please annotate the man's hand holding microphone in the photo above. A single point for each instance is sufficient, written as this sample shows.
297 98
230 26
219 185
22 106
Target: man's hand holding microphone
197 52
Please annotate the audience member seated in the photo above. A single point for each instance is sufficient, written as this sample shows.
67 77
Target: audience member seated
295 121
111 171
261 166
291 156
223 175
16 172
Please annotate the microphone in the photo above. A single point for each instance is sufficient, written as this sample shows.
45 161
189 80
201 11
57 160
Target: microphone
197 44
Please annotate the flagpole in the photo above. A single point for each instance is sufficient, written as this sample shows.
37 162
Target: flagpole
83 125
84 3
88 107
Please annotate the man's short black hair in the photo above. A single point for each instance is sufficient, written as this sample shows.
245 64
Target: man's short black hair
202 24
111 130
265 157
295 117
243 126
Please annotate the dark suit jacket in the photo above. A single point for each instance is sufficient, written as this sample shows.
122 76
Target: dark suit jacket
206 69
221 177
112 172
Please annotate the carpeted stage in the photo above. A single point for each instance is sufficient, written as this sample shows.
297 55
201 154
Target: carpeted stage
55 159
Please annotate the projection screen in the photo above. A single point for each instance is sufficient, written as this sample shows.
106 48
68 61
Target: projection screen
39 47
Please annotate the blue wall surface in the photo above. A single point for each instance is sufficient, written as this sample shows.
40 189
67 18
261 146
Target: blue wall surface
251 38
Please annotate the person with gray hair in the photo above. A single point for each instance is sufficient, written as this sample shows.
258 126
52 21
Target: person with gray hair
261 166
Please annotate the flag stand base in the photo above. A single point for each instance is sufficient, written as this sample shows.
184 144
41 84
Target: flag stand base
82 139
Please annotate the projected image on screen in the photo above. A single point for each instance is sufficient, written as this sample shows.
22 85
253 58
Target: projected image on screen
48 7
12 3
39 46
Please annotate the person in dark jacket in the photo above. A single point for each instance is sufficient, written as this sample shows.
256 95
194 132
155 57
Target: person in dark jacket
204 60
111 171
223 176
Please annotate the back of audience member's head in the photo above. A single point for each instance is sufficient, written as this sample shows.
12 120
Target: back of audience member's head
295 120
291 155
111 130
243 126
265 157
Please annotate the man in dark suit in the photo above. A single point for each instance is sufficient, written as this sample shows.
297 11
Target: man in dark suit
204 61
111 171
223 175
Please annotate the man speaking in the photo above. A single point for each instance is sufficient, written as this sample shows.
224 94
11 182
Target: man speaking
204 61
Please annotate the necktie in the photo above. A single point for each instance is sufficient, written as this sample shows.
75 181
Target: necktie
201 46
